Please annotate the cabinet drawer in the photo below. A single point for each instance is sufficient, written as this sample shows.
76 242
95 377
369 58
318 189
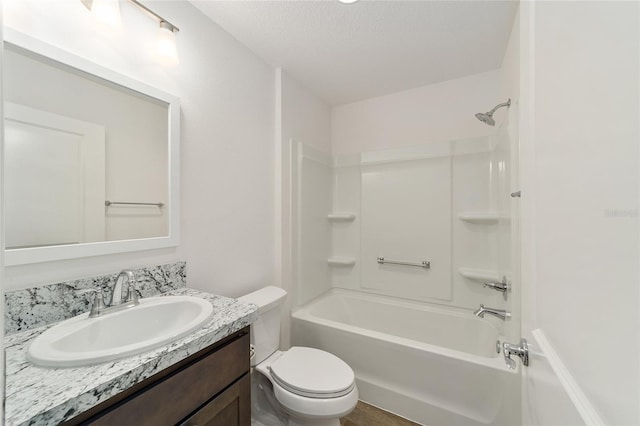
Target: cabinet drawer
175 397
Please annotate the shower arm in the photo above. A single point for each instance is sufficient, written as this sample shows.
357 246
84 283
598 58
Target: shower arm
507 104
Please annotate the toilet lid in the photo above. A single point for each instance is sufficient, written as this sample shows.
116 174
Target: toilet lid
312 372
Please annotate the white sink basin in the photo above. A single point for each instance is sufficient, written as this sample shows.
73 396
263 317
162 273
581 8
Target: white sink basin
83 341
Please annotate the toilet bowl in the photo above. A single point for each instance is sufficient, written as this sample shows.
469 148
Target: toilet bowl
310 383
307 386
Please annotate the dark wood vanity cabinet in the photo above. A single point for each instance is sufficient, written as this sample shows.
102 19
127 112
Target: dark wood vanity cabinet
211 387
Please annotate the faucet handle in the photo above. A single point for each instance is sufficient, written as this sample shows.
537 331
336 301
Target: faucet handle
502 286
521 350
98 301
98 304
132 295
498 286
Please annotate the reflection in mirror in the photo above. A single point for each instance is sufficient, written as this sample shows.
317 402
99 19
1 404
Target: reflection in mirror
87 160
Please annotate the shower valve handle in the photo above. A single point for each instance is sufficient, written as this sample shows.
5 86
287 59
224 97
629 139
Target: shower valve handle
502 286
521 350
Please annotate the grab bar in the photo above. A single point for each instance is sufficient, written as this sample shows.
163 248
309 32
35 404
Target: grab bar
425 263
111 203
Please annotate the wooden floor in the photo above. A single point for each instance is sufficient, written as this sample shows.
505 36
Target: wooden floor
368 415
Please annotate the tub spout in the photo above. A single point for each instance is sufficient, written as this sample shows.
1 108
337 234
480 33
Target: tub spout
500 313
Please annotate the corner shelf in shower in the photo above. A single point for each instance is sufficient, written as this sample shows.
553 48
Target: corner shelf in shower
341 217
341 261
482 217
479 274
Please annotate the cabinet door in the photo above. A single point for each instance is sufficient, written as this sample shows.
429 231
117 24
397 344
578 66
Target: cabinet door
165 402
231 408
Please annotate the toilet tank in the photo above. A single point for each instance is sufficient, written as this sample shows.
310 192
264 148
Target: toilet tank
265 331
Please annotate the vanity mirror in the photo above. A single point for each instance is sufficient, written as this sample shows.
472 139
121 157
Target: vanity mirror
91 158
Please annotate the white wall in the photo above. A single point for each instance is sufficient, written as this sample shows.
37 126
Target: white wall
227 99
583 178
305 117
406 216
437 112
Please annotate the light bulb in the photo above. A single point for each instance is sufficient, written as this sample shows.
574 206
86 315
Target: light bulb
347 1
107 12
166 50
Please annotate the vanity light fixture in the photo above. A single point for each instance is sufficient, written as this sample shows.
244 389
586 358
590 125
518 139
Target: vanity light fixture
108 11
166 50
347 1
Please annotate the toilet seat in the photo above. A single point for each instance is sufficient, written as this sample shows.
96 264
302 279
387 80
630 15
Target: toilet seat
312 373
315 384
315 408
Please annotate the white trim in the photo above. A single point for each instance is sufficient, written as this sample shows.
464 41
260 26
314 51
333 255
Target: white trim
280 192
574 391
2 261
42 50
526 109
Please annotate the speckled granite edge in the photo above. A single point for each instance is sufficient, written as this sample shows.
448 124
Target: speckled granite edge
48 396
34 307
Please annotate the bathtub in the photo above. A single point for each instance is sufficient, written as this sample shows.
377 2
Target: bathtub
435 366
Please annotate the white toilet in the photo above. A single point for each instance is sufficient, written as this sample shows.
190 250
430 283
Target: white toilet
304 386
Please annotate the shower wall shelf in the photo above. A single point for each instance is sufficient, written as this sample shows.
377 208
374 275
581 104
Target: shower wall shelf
482 217
341 261
479 274
341 217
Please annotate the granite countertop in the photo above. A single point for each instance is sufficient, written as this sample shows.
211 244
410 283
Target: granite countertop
48 396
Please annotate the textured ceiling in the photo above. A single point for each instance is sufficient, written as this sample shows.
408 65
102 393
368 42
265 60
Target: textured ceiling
344 53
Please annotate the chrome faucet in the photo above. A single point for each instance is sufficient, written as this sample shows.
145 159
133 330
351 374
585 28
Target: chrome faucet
500 313
119 299
118 288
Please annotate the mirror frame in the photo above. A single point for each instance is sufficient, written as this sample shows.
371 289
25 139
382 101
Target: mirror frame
34 47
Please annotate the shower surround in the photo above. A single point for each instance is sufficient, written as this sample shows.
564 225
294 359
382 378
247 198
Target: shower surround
407 331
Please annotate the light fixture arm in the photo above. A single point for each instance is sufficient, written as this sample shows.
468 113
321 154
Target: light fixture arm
150 13
163 22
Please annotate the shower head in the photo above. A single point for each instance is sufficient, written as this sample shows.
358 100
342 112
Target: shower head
487 117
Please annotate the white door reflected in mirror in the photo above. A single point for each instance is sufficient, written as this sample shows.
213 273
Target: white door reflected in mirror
54 179
77 136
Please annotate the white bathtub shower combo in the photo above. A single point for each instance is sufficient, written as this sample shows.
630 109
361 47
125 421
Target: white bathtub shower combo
391 251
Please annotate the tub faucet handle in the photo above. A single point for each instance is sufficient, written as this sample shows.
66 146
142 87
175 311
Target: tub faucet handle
521 350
